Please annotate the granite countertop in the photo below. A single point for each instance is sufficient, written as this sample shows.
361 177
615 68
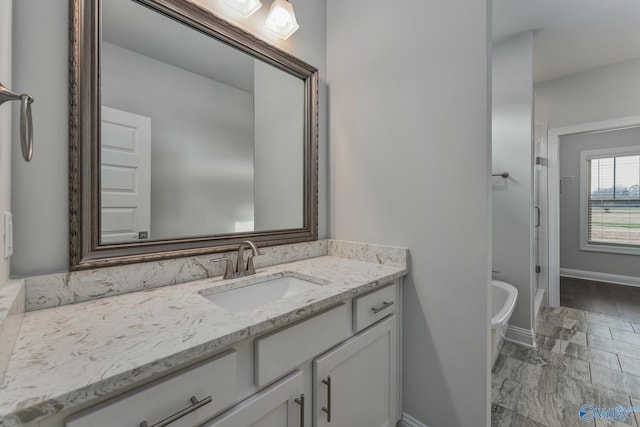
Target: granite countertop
72 354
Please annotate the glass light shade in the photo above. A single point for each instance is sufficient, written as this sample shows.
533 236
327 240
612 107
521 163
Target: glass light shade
245 8
281 19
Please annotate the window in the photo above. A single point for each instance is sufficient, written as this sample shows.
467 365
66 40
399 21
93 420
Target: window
610 200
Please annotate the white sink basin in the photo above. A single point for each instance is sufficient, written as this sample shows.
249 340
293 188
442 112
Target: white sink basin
262 292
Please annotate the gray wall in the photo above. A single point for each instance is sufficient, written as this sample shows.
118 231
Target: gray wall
279 155
512 151
201 143
410 156
570 254
39 189
5 130
39 193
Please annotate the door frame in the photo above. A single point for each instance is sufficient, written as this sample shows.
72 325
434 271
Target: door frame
554 190
5 131
541 185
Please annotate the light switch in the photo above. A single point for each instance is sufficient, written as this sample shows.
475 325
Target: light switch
8 235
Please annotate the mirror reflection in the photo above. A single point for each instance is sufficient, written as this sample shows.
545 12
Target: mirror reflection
197 138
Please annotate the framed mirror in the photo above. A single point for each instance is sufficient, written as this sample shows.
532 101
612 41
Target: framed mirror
188 135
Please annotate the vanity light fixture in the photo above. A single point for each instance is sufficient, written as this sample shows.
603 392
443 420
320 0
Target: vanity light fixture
245 8
281 19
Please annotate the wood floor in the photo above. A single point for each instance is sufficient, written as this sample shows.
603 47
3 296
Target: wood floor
580 358
602 298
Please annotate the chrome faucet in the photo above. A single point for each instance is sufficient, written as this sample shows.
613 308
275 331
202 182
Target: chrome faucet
241 270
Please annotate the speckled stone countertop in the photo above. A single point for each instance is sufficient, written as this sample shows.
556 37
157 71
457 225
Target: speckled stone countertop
72 354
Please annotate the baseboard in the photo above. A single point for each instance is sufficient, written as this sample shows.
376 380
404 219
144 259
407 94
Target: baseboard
409 421
520 336
618 279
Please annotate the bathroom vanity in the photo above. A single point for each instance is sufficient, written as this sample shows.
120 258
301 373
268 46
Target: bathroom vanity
324 354
331 362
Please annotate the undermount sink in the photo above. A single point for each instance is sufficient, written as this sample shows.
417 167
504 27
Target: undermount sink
261 292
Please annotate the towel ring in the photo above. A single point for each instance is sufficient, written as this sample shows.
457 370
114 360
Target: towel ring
26 120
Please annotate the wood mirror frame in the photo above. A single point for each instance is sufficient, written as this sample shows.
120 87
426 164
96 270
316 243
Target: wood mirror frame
84 140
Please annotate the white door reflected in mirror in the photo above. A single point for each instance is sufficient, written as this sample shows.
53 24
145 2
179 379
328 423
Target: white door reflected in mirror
125 179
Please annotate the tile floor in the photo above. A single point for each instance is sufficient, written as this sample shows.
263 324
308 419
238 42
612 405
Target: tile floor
603 298
580 358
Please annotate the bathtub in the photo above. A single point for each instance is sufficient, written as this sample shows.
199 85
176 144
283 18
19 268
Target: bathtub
503 301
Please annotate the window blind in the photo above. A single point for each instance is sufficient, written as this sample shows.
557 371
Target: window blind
613 211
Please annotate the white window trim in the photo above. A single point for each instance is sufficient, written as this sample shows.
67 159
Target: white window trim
585 156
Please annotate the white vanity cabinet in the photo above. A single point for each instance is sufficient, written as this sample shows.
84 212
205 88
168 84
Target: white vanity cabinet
354 377
337 368
356 383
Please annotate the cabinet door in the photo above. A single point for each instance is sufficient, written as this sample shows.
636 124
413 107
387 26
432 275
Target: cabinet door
356 383
280 405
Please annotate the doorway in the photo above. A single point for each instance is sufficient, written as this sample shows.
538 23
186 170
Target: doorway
597 215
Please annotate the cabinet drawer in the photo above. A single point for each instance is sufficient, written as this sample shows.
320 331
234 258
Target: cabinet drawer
373 306
281 404
282 351
215 378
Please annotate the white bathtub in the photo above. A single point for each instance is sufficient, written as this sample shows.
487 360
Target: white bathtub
503 301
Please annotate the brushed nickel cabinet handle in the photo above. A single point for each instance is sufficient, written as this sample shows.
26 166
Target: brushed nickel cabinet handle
195 405
301 403
327 409
384 305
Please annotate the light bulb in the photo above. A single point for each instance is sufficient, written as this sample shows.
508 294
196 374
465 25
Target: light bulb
281 19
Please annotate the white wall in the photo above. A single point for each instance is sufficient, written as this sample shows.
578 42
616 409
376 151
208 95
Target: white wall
5 130
600 94
201 143
279 154
571 256
512 151
41 65
410 155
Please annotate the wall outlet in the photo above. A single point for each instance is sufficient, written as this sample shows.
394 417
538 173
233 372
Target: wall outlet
8 235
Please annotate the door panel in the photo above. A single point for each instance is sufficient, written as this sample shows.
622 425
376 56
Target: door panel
361 391
125 177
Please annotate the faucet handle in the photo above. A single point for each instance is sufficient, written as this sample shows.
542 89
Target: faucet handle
228 270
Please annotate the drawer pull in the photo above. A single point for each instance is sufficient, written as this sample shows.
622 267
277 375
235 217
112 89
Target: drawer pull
327 408
195 405
384 305
301 403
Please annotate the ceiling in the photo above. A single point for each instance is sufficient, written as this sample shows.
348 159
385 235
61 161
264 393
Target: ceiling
134 27
571 35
